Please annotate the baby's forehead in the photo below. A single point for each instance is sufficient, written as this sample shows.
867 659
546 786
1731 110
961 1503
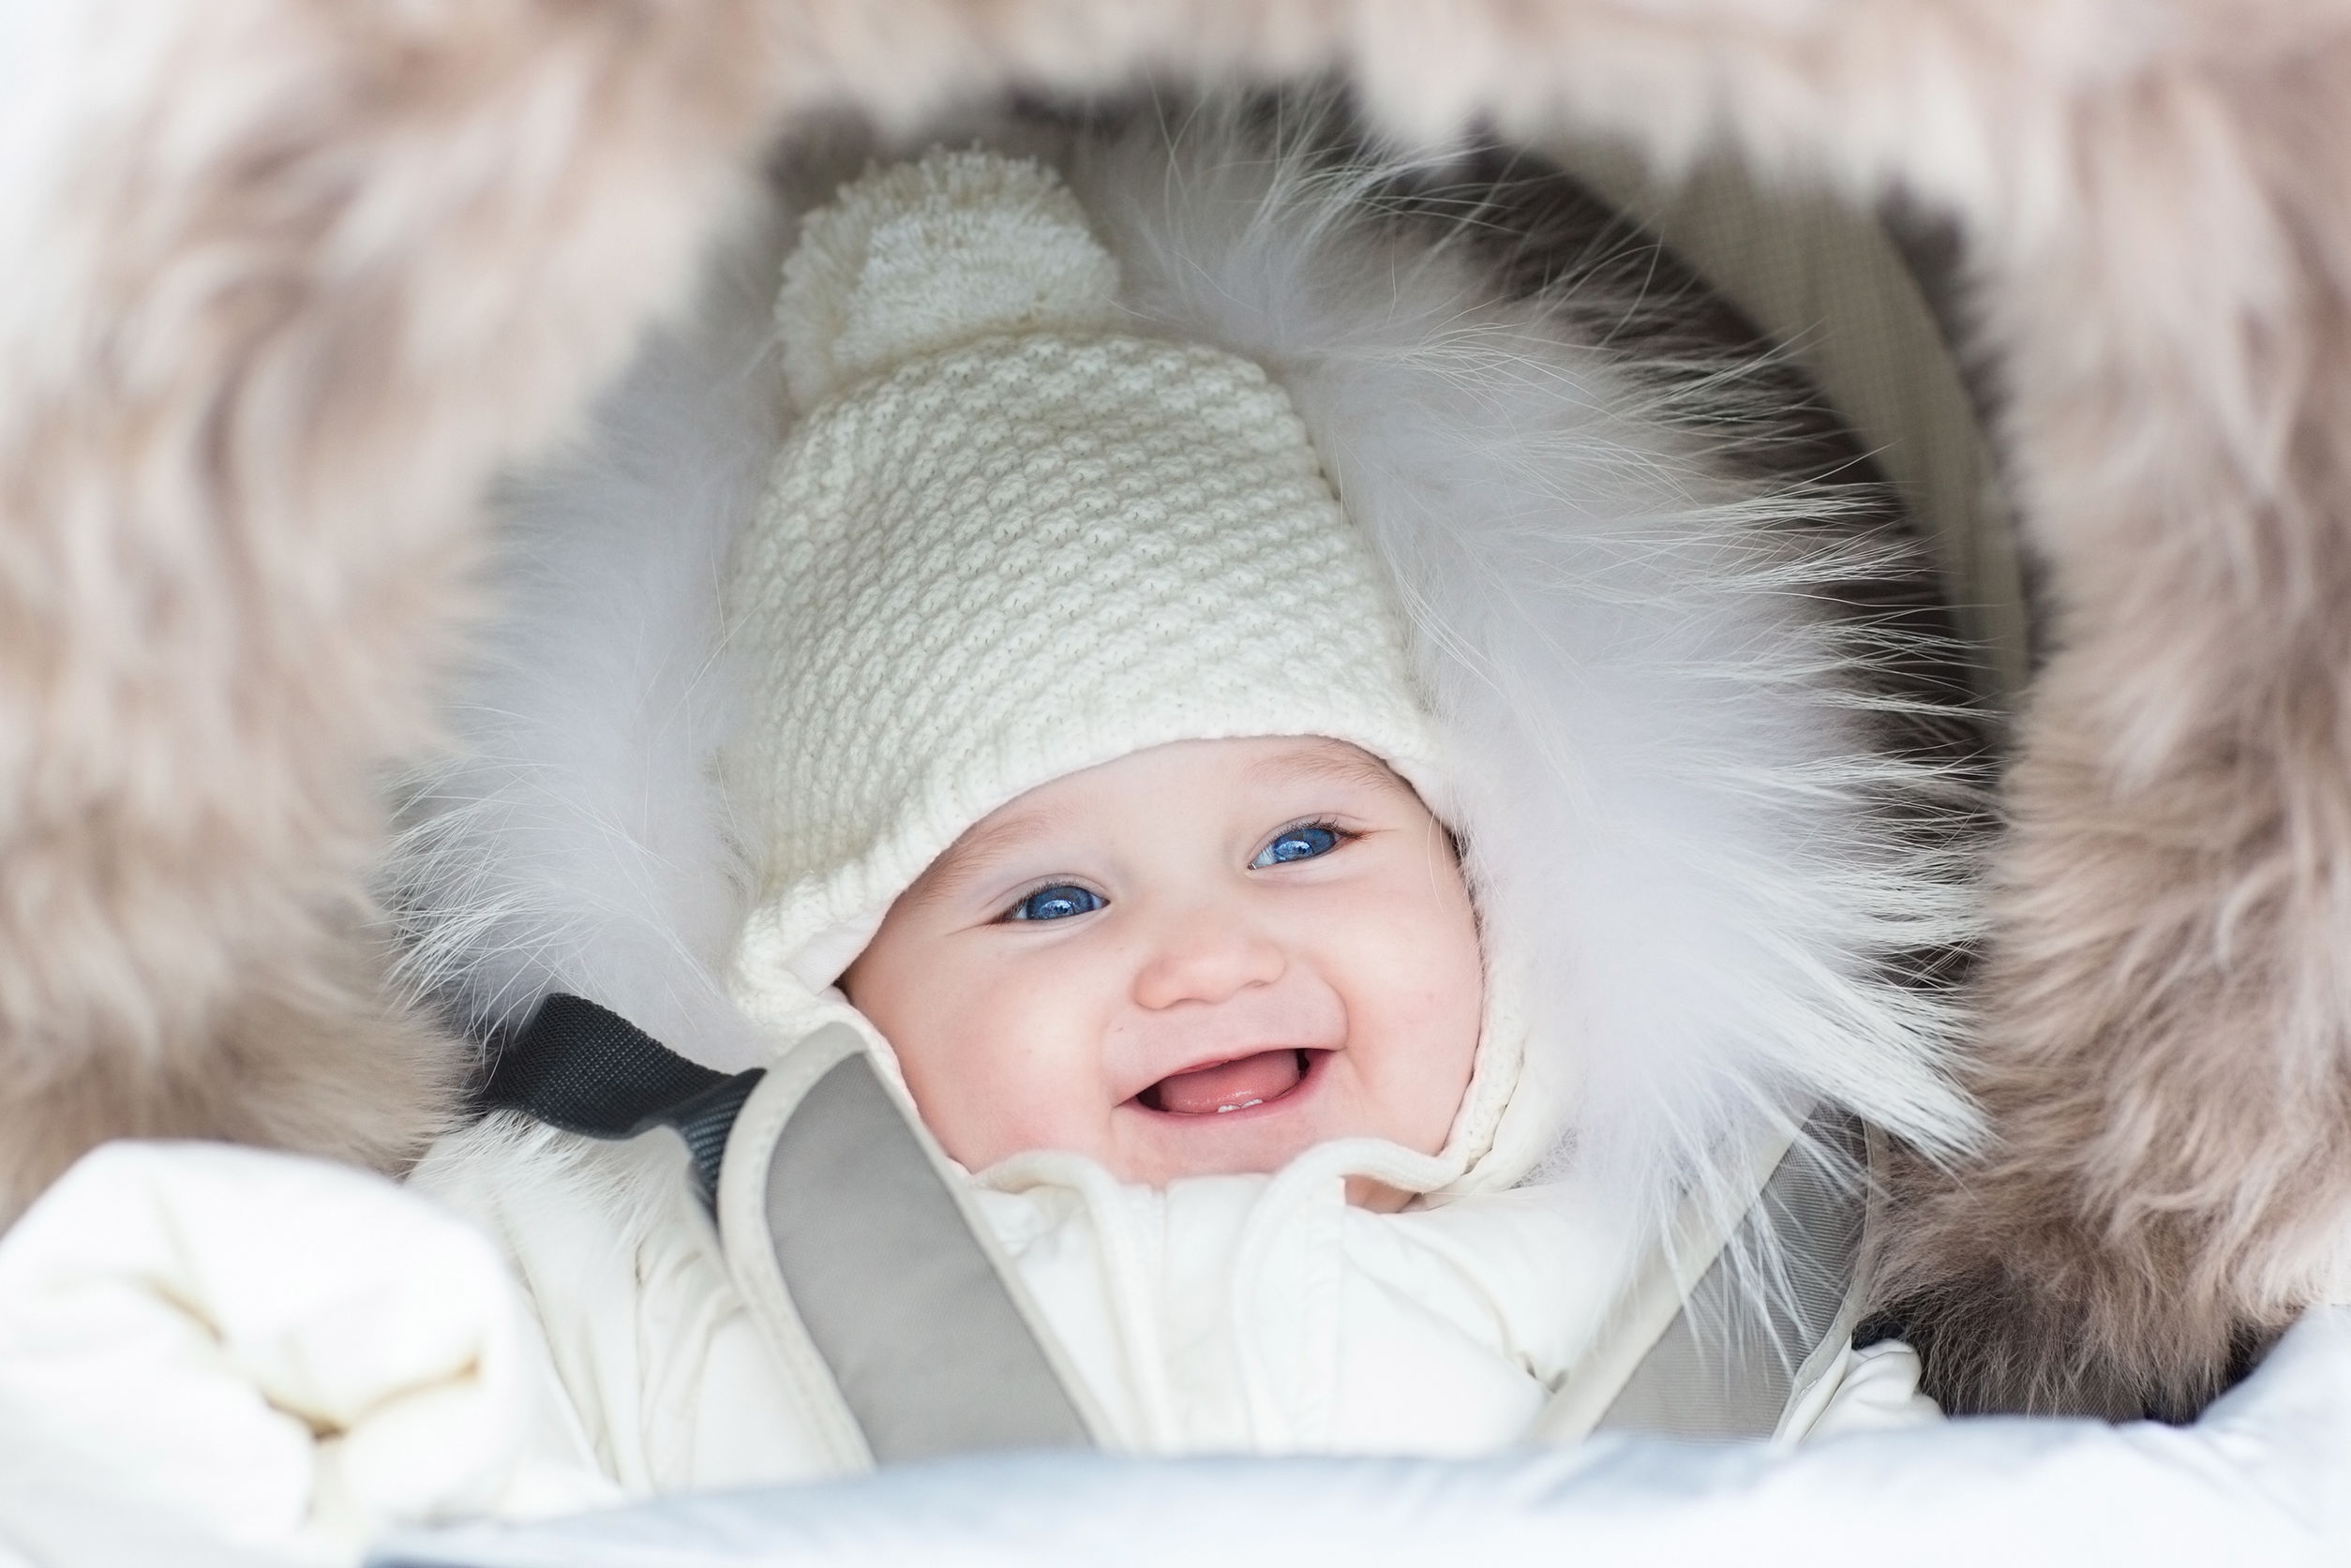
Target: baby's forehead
1238 768
1246 767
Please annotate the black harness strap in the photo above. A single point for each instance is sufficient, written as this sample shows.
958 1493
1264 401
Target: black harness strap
586 1069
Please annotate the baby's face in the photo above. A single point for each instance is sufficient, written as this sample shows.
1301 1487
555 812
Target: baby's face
1202 958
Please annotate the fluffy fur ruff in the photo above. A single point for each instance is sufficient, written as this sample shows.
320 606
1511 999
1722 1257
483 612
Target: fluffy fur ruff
288 279
262 340
1678 814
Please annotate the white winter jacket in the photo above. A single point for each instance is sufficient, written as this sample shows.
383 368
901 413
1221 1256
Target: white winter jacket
1235 1314
270 1359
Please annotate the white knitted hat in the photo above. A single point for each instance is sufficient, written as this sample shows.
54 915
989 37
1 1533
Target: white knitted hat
1006 542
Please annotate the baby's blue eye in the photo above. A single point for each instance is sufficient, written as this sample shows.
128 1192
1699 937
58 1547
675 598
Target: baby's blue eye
1057 902
1296 844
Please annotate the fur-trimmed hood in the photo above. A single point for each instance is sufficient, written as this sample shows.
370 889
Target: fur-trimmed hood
1689 813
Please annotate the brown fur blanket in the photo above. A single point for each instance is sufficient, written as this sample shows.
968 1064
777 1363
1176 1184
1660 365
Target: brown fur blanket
290 279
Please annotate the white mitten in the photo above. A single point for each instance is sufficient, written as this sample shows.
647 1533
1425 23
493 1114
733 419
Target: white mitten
254 1356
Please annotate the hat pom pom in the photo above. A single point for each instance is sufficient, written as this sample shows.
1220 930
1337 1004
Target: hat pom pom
922 257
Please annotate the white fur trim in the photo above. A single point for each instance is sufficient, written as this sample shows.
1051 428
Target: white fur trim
1677 828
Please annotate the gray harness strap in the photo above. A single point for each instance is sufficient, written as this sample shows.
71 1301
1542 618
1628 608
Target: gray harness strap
896 1288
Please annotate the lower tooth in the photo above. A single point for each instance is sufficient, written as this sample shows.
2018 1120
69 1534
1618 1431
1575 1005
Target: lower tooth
1243 1106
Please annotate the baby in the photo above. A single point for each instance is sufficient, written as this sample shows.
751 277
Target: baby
1088 767
1085 775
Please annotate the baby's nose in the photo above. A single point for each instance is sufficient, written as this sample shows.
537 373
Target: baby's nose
1207 959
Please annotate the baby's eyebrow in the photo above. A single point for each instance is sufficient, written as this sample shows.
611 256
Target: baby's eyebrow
970 857
1333 763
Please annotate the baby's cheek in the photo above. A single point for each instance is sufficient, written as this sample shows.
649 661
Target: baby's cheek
1436 973
1024 1077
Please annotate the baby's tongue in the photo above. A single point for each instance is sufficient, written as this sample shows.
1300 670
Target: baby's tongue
1233 1085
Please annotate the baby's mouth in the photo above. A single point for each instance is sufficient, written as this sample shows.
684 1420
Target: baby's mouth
1236 1084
